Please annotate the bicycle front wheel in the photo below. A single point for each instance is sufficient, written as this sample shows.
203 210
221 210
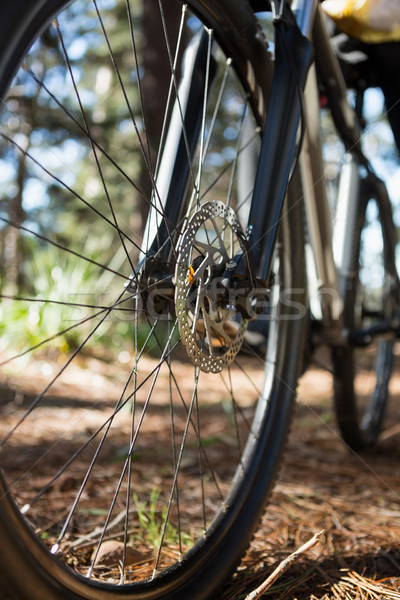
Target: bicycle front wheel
362 369
141 425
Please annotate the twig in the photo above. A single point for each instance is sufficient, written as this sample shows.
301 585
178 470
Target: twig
94 535
283 566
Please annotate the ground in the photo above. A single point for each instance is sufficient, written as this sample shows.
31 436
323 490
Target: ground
322 486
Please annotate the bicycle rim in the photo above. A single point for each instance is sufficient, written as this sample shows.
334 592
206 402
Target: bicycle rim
115 431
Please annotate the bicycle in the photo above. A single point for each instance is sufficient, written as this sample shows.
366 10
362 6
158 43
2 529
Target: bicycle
216 286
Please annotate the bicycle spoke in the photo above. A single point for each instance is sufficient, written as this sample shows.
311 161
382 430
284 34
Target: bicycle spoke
234 166
172 86
237 411
129 476
192 422
174 456
100 445
104 425
61 303
54 379
94 151
173 64
61 247
139 80
217 107
60 333
203 121
146 157
98 147
126 462
121 84
178 465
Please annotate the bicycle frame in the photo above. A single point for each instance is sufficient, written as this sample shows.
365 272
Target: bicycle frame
330 244
329 267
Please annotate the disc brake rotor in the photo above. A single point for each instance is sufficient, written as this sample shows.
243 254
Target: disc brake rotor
210 326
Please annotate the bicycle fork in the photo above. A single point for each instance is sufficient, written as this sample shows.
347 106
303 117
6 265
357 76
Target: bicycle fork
293 57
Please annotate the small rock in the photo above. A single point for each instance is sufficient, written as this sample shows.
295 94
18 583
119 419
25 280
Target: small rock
111 554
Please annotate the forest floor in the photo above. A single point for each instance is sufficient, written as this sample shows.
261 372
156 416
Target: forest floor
324 486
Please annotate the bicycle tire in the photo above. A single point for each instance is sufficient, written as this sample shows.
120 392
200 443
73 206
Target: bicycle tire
362 371
199 571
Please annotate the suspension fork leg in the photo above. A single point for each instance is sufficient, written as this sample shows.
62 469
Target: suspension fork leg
173 174
293 53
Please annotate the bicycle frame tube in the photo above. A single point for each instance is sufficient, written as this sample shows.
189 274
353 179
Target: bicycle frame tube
318 215
331 249
329 71
345 218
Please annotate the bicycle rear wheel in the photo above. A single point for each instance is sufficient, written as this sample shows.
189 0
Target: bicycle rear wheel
131 416
362 369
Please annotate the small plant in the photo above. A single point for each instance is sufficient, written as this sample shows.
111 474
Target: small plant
63 300
154 526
